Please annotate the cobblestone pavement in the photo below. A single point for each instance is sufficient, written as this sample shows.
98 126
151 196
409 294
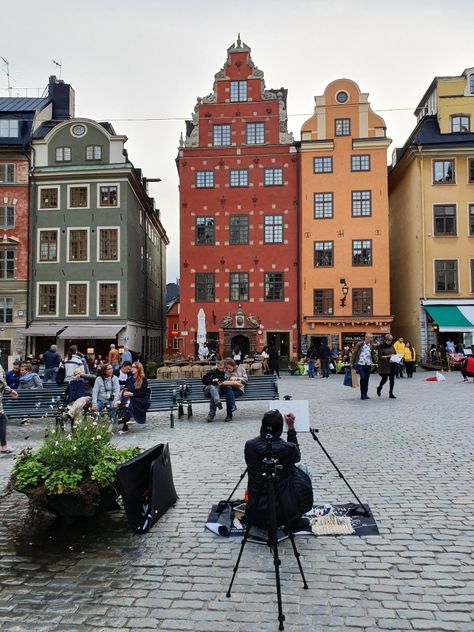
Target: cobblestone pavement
410 458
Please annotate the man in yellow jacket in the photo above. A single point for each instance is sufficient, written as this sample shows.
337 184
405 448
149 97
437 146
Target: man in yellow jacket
399 347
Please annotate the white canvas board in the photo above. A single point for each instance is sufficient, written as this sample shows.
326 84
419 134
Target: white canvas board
299 408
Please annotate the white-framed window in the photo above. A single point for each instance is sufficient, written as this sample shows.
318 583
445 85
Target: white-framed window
77 298
78 196
7 172
444 172
273 177
323 205
255 133
7 216
108 195
9 128
108 298
94 152
48 197
63 154
108 243
204 179
239 178
238 91
48 245
273 229
77 250
47 298
221 135
361 203
460 123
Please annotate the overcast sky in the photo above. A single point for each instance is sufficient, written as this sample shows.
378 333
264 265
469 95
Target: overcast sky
151 59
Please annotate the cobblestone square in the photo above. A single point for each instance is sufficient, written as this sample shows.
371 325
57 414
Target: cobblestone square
411 459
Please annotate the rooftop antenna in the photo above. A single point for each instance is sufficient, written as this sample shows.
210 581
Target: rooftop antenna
7 72
59 64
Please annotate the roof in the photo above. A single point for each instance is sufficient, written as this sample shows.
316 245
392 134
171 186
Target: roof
20 104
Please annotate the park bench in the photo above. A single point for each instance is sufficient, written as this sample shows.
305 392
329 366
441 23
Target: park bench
190 391
40 402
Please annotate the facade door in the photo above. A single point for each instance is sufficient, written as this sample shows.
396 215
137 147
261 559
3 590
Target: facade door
243 343
281 341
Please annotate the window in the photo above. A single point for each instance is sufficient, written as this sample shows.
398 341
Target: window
77 299
273 286
471 169
472 276
6 310
221 135
78 245
238 91
323 205
471 220
108 299
7 216
360 163
444 219
205 287
273 229
9 128
94 152
7 172
239 229
239 178
205 231
63 154
361 203
342 127
47 299
239 286
49 198
461 123
323 164
255 133
7 264
471 84
108 195
323 301
204 179
362 252
323 254
108 244
78 197
446 275
273 177
362 301
48 245
443 171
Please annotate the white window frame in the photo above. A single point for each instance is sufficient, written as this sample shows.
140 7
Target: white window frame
103 282
68 284
38 284
68 232
94 147
9 134
78 186
38 244
63 147
49 208
99 228
108 184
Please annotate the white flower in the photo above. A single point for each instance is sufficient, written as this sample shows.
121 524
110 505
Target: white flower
98 437
57 443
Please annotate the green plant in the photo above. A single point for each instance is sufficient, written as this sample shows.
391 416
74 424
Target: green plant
150 369
65 461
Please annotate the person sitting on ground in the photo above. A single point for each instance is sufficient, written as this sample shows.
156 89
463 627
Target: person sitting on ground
4 388
106 392
29 380
233 385
135 397
294 487
77 395
212 380
12 377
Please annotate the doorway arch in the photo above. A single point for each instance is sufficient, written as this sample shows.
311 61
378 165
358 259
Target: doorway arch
242 342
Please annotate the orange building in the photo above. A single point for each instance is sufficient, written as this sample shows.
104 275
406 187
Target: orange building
344 248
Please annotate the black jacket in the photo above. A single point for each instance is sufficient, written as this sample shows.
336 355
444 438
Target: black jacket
214 374
287 453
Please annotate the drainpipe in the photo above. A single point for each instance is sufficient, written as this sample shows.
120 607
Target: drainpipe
298 256
423 237
30 225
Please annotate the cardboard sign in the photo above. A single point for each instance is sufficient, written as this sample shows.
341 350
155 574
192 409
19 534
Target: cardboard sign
299 408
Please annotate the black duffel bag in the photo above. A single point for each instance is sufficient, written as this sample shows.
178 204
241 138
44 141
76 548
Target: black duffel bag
303 490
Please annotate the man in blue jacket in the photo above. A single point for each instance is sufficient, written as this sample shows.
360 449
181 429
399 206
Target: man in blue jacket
51 359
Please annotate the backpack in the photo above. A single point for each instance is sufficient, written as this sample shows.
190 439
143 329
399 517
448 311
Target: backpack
75 389
60 374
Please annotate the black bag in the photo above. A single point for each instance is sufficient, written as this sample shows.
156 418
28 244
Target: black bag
60 374
303 490
147 488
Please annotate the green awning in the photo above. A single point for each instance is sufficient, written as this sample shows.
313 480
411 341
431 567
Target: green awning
452 317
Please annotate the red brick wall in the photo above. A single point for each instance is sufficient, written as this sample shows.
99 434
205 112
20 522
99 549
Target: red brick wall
17 195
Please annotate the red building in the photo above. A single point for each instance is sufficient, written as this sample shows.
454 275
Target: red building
238 215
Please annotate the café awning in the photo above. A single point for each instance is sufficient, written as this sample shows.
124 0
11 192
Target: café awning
90 332
40 330
452 317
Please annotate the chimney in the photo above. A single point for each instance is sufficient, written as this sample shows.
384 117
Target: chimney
63 97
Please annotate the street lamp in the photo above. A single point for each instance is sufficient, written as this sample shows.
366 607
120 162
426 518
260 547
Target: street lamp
345 292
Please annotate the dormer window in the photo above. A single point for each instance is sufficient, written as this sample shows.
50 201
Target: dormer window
63 154
9 128
238 91
94 152
461 123
471 83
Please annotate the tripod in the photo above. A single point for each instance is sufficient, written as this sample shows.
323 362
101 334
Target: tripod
314 432
269 483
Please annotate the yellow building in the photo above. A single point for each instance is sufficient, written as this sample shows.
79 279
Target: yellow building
431 191
344 280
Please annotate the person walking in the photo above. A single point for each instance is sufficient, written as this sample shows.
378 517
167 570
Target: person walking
135 397
387 369
4 388
114 357
361 360
273 360
52 360
126 355
409 358
311 356
324 358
